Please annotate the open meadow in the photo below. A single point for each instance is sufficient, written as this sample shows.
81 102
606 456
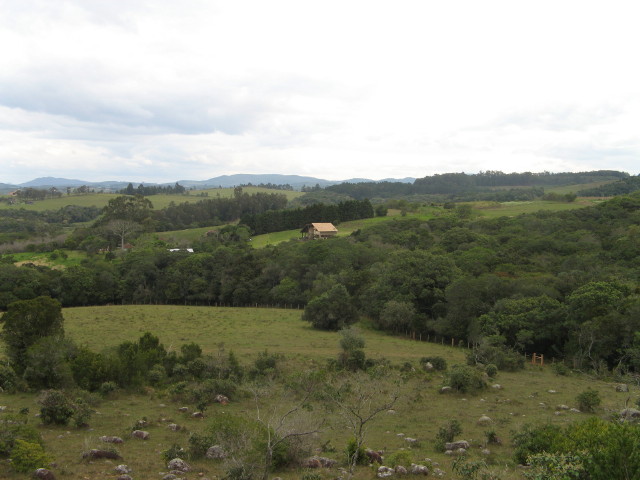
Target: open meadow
529 396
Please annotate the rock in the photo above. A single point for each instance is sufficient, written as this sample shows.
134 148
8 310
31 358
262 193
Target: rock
97 454
173 427
317 462
141 434
448 452
197 415
141 423
391 412
110 439
169 476
179 465
124 477
374 457
438 473
428 366
562 407
485 451
411 441
557 413
623 387
446 389
44 474
122 469
221 399
456 445
496 386
216 452
183 409
384 471
484 420
400 470
630 414
551 391
418 469
574 410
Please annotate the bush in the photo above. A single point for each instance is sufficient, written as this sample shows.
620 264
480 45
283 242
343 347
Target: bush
447 433
531 440
13 428
504 358
81 413
491 370
27 456
108 387
465 379
359 453
8 379
401 457
174 451
560 368
55 408
438 363
588 400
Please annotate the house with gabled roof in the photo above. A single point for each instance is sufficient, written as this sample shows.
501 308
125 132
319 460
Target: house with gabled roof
314 231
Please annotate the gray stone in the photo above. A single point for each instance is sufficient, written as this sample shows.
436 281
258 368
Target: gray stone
44 474
484 420
216 452
110 439
179 465
445 389
623 387
385 472
456 445
400 470
141 434
122 469
173 427
418 469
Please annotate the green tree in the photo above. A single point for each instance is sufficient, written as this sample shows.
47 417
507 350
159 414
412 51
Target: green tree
26 322
332 310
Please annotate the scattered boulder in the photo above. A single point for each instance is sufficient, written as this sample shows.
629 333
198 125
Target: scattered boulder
317 462
400 470
484 420
411 441
169 476
562 407
496 386
197 415
384 471
141 423
122 469
428 366
97 454
551 391
622 387
456 445
173 427
216 452
445 389
179 465
374 457
141 434
44 474
183 409
438 473
124 477
630 414
110 439
574 410
221 399
418 469
485 451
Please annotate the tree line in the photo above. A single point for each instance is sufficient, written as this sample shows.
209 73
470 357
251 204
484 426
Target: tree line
564 284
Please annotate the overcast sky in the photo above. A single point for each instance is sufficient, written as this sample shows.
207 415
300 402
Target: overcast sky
162 90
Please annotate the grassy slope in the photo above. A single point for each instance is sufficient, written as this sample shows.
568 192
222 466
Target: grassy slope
525 397
158 201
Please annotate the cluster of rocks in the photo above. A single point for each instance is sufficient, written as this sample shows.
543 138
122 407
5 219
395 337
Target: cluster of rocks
414 469
458 447
318 462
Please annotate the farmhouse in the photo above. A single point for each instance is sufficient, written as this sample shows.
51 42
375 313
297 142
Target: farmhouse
312 231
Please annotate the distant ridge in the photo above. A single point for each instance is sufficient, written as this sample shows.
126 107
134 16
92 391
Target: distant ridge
225 181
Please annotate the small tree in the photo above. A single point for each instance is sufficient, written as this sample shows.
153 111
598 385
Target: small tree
352 356
26 322
332 310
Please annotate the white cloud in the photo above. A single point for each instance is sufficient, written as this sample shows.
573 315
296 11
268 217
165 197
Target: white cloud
99 89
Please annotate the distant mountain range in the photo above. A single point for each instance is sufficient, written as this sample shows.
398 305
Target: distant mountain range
296 181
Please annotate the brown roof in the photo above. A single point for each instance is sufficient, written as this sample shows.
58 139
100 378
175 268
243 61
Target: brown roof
324 227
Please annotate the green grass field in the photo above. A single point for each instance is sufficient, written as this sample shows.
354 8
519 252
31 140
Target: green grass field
512 209
529 396
159 201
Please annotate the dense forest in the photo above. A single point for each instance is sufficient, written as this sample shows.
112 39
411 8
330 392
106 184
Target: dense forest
553 283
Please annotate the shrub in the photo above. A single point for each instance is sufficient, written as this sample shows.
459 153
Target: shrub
156 375
588 400
465 379
107 387
531 440
438 363
8 379
555 466
81 413
401 457
491 370
560 368
55 408
27 456
447 433
174 451
504 358
13 428
352 451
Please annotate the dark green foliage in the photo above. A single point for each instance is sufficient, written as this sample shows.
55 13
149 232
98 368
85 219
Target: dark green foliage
465 379
47 363
588 400
9 381
492 351
531 439
26 322
438 363
447 433
491 370
332 310
55 408
174 451
355 455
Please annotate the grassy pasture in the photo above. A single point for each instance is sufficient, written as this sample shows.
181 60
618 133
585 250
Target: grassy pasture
159 201
511 209
529 396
